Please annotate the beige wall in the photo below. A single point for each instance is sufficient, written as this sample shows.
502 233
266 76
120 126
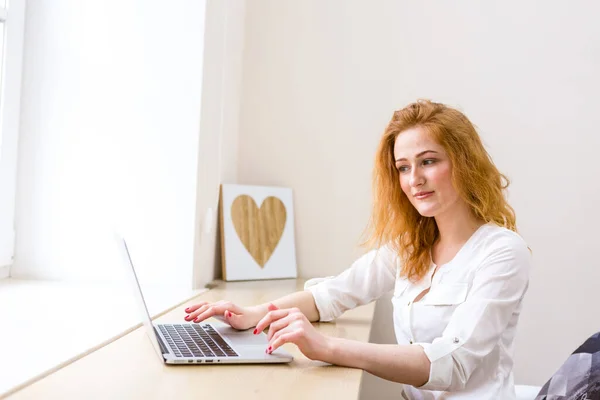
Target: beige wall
321 79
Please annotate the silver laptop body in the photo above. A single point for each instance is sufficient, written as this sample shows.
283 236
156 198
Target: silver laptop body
202 343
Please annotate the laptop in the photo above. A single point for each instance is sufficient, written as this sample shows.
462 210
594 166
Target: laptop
201 343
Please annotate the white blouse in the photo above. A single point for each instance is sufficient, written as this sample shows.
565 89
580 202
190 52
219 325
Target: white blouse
466 322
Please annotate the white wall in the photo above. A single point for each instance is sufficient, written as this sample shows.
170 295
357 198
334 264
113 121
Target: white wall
221 99
110 131
321 80
10 83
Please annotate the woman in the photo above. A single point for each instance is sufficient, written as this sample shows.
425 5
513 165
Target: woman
445 241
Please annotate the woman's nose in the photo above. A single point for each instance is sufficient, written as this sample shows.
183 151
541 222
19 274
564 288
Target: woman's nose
416 177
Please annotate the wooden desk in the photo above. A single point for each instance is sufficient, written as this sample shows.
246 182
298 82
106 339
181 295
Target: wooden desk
128 368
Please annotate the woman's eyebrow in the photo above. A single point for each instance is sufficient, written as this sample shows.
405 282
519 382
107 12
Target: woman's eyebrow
418 155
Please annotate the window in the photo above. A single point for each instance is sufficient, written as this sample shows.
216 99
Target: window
12 22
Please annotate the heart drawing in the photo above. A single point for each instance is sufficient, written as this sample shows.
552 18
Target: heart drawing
259 229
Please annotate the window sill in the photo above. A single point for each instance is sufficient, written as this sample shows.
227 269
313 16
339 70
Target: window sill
45 325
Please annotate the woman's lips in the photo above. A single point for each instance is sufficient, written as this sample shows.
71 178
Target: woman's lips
423 195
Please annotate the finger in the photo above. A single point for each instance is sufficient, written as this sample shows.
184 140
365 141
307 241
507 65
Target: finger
279 325
234 308
211 310
286 329
191 316
229 305
230 317
234 320
194 307
269 318
270 307
287 337
219 308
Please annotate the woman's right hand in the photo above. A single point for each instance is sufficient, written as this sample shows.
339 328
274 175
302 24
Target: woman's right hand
236 316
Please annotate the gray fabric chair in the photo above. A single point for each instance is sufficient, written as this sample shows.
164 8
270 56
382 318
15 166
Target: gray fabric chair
578 378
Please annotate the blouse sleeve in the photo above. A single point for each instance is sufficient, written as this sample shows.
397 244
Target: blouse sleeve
367 279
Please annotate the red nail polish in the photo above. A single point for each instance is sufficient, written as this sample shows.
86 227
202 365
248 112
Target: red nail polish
229 314
187 310
196 320
255 331
270 349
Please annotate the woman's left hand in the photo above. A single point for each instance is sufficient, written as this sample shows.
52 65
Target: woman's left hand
291 326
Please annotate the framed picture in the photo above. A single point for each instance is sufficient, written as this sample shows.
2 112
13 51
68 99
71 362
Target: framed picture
257 232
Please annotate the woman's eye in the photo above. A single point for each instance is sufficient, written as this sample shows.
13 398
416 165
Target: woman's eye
403 168
428 161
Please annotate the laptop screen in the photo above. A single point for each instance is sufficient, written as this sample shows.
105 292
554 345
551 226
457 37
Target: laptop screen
126 256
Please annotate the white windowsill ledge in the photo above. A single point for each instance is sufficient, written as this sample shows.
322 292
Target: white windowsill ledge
45 325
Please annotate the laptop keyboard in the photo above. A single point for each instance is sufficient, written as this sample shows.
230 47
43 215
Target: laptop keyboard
194 340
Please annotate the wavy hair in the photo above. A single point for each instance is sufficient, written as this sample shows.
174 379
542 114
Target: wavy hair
396 222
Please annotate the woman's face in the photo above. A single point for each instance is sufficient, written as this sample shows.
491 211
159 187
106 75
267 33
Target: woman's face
425 172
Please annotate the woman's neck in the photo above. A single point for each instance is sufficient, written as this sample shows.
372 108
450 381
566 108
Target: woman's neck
457 225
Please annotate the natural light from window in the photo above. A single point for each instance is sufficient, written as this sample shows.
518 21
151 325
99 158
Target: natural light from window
7 120
2 20
109 121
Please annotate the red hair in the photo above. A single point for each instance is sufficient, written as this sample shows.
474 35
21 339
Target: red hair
394 219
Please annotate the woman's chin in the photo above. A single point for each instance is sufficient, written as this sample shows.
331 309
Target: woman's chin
427 212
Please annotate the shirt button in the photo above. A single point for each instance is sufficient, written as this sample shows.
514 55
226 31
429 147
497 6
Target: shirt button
408 303
411 342
456 340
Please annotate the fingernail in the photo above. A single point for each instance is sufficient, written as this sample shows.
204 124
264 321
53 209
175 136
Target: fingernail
270 349
187 310
196 320
229 314
255 331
